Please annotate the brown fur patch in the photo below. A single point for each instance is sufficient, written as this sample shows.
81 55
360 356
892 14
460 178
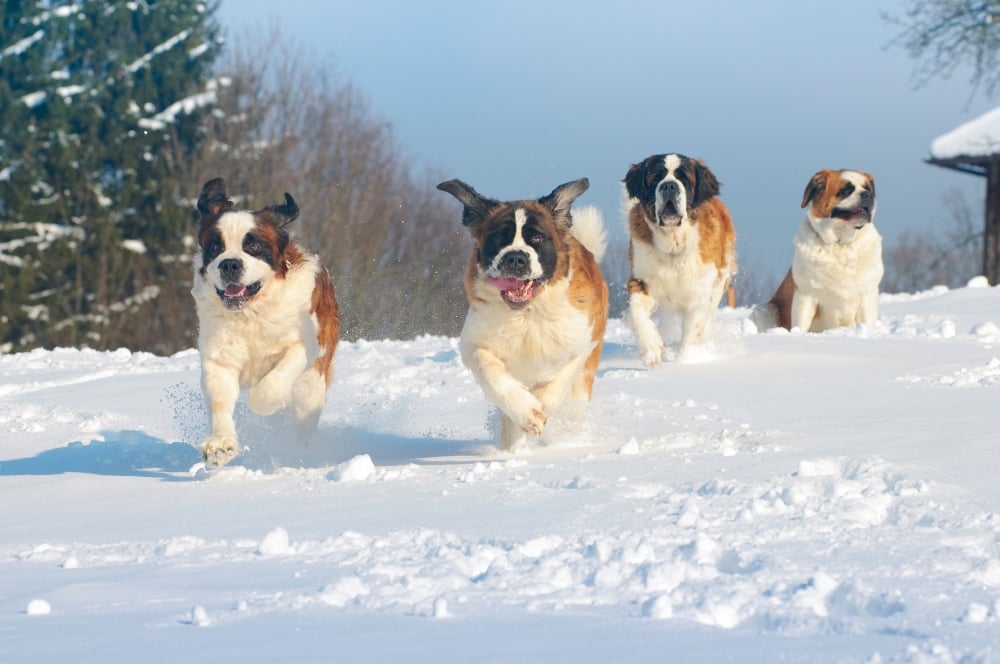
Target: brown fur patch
324 307
782 301
716 236
636 285
283 252
589 293
639 224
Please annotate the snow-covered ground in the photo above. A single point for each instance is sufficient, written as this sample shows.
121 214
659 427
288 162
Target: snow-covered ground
792 497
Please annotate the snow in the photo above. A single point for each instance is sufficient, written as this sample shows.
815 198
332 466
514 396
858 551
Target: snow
19 47
33 99
786 497
186 105
135 246
139 63
979 137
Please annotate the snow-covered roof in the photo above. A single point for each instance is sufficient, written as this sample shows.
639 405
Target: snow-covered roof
975 140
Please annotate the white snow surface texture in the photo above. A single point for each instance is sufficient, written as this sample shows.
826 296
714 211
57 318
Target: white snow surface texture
771 497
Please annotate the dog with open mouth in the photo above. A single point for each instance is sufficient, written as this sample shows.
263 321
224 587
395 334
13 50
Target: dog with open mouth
267 318
538 305
682 251
837 263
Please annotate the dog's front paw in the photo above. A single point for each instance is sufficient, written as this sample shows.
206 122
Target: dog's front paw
219 450
527 412
652 354
534 422
268 397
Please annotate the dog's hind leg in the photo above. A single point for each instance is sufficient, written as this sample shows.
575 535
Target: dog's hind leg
308 399
274 391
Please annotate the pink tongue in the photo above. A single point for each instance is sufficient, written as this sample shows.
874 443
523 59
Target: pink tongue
507 283
235 290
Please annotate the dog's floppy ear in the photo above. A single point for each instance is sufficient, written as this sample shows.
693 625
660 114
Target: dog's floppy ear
563 196
815 187
285 214
476 205
213 200
635 181
706 185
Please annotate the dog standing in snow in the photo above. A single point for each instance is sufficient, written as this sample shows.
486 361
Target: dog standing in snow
538 304
267 318
837 264
682 250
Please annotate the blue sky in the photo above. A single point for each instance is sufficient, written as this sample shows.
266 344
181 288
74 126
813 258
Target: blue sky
518 96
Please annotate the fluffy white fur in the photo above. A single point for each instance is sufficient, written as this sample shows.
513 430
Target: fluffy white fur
268 346
588 228
836 276
509 350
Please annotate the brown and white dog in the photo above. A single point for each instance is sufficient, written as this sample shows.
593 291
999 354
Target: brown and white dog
682 250
537 303
267 318
837 264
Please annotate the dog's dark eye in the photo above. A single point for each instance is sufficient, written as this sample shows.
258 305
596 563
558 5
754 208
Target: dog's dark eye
533 236
845 191
213 248
254 247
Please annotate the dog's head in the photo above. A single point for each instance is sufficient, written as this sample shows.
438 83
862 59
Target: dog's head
839 204
669 186
241 251
520 245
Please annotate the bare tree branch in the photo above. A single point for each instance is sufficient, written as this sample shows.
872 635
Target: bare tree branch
942 36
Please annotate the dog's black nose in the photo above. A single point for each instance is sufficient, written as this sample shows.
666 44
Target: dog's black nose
669 189
231 269
515 263
866 196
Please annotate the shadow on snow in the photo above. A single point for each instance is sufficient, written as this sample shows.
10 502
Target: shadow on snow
130 453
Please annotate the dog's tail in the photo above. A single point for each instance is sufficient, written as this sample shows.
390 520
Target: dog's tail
588 228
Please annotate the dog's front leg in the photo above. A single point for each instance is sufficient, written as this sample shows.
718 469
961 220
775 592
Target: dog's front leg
695 326
868 311
221 387
804 309
510 395
274 391
640 311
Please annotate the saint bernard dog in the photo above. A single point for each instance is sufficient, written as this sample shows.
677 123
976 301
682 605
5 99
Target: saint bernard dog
267 318
682 250
837 264
538 304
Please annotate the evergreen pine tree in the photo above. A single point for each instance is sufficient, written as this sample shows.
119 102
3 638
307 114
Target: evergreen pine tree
100 99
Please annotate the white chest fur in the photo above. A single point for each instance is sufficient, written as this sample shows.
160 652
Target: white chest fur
675 279
533 343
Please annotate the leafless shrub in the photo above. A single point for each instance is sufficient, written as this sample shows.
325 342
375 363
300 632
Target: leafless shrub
920 260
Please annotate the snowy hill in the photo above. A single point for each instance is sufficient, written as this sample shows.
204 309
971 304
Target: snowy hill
827 497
